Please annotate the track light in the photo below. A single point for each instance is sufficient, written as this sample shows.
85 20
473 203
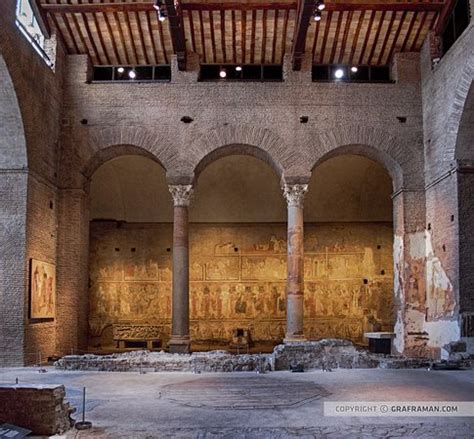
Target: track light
222 73
354 69
238 68
120 70
162 15
320 5
317 15
132 74
339 73
160 10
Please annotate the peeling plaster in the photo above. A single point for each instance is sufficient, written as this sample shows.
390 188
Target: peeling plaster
439 289
399 341
441 333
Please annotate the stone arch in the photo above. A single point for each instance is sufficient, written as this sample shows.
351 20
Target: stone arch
236 149
13 152
406 169
461 96
465 134
150 143
245 139
111 152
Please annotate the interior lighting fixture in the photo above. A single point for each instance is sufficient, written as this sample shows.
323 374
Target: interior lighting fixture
354 69
160 10
238 69
132 74
120 70
320 5
222 73
317 15
339 74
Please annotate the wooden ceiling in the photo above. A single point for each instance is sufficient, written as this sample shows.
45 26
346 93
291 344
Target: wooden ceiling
127 32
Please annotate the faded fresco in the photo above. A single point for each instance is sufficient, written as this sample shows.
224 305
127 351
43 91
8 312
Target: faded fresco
238 277
42 290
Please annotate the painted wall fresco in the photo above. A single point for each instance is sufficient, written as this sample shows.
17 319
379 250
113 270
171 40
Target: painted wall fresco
238 275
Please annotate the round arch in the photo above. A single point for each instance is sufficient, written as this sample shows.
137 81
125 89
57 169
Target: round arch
462 96
465 133
237 149
405 169
248 140
157 148
108 153
13 152
370 152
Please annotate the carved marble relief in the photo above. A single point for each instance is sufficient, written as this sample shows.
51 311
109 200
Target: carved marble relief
237 280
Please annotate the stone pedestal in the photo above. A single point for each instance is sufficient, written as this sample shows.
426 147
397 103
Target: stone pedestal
294 195
180 341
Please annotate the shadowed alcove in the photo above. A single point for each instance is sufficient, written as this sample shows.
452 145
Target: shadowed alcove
348 249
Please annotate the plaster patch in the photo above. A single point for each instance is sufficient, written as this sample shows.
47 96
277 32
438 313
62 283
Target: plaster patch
417 245
439 289
441 333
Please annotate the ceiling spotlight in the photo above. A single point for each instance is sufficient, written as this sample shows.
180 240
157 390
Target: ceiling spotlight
238 68
317 15
120 70
320 5
132 74
162 15
222 73
354 69
161 12
339 73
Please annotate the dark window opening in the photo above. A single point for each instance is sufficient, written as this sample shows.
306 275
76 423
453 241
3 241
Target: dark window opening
344 73
236 72
161 73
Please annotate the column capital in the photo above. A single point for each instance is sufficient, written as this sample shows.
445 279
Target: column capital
181 193
294 194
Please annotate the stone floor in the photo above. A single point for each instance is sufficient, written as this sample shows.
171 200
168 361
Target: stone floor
246 405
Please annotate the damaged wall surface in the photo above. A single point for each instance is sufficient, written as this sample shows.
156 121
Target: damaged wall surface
238 275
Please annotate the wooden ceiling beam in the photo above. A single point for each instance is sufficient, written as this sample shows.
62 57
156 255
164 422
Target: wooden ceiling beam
304 14
444 16
175 18
376 5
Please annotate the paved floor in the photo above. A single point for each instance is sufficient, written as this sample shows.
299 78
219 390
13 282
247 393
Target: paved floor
246 405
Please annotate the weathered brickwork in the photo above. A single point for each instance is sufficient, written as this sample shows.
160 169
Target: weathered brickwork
41 409
57 129
449 153
31 98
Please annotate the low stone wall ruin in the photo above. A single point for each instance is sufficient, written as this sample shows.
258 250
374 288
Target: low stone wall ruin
214 361
323 354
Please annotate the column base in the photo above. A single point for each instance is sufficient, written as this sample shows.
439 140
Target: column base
179 344
292 338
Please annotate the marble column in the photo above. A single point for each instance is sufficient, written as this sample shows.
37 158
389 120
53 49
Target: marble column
294 195
180 341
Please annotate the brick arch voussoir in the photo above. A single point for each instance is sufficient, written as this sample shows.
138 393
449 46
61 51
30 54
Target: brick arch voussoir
251 139
13 146
132 140
399 159
457 111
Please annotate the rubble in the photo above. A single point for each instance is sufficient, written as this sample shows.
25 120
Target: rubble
326 354
144 361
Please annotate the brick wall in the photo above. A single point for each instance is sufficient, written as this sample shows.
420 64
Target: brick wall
31 99
52 107
41 409
449 202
